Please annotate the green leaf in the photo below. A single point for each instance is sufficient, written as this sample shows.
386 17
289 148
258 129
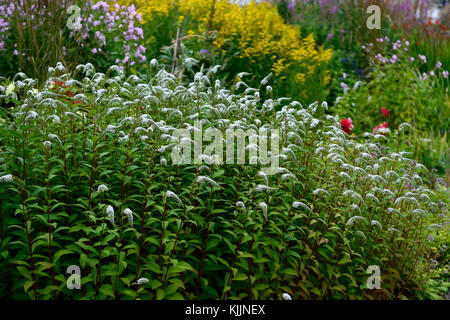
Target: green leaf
152 266
107 290
156 284
181 266
316 291
261 286
290 272
345 260
175 296
83 260
177 282
160 294
59 253
27 285
25 272
240 277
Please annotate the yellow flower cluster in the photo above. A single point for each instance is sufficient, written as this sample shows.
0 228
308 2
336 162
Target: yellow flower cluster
257 31
148 8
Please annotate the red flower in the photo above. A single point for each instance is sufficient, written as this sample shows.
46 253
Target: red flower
385 112
347 125
394 26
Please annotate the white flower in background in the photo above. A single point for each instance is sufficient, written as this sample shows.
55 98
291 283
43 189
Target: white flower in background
374 198
55 118
102 188
261 187
124 139
394 230
264 208
201 179
319 190
297 204
170 194
110 213
47 144
54 136
111 110
288 176
31 114
7 178
391 210
241 205
376 223
314 123
164 148
267 78
282 170
344 175
355 218
68 113
286 296
399 199
355 207
207 159
405 125
352 194
264 176
361 234
142 281
129 214
418 211
10 88
163 161
389 193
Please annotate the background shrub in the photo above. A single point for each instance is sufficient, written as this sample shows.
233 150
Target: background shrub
396 85
253 38
36 35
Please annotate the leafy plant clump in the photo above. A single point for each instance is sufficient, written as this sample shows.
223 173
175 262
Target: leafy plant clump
87 179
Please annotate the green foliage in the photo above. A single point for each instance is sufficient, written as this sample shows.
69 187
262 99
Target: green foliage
92 184
435 266
395 84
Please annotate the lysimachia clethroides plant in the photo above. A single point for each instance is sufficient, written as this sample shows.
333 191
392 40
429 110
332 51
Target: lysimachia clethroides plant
89 180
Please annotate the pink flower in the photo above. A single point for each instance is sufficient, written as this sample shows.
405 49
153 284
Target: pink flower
385 112
381 129
347 125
